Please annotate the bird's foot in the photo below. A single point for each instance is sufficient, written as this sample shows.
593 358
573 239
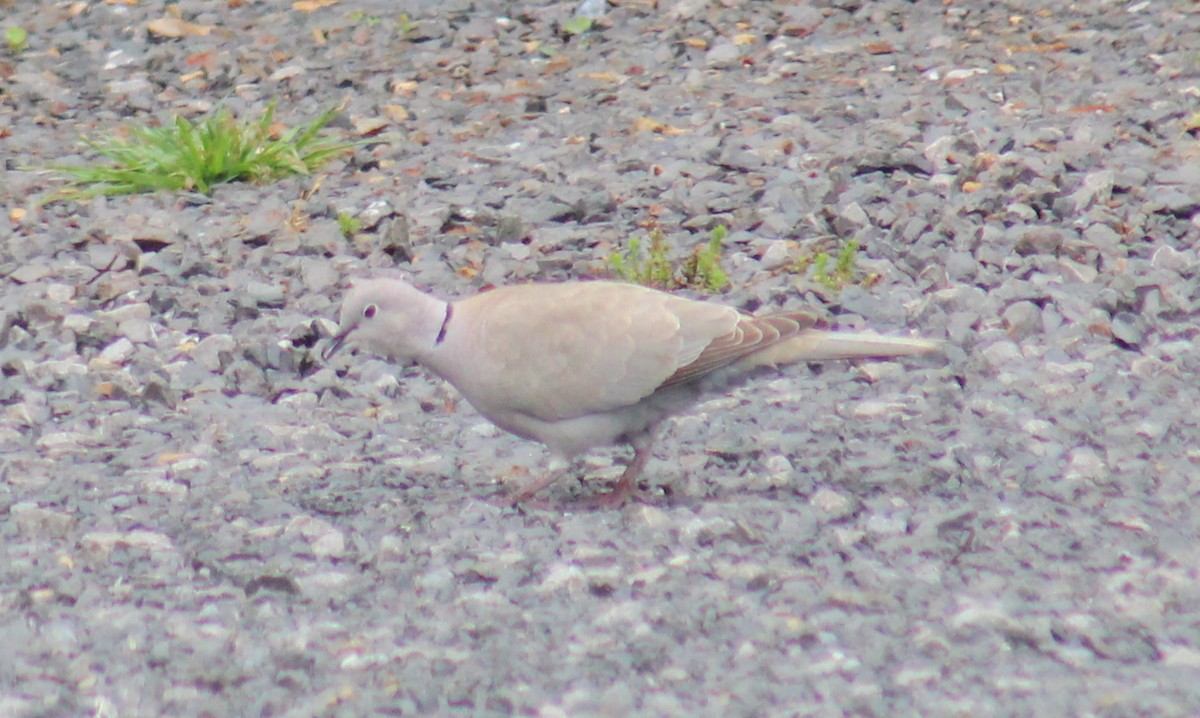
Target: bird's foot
520 498
524 496
615 498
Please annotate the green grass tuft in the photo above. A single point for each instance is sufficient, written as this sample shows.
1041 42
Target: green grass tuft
348 224
194 157
703 269
843 270
651 267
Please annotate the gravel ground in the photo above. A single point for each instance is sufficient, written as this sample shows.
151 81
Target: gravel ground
198 518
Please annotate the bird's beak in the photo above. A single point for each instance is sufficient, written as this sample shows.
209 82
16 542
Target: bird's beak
338 340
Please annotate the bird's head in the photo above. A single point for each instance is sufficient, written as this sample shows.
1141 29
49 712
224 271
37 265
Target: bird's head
388 317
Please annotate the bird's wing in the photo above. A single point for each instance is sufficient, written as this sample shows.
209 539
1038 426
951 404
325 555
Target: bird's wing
566 350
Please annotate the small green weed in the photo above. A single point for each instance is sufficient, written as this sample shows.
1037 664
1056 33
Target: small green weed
183 156
358 16
703 268
840 274
348 224
577 25
16 39
1192 123
405 24
651 266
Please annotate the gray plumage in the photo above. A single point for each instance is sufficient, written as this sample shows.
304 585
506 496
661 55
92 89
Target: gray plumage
584 364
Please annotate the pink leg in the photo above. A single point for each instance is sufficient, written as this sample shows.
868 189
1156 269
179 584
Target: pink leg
551 475
626 486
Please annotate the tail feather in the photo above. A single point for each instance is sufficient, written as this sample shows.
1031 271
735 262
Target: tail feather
819 345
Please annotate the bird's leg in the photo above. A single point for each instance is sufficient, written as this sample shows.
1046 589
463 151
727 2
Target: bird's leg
626 486
558 467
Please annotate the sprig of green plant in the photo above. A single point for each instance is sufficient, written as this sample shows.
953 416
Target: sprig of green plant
405 24
703 268
16 39
187 156
348 224
578 25
843 270
360 16
652 267
1192 123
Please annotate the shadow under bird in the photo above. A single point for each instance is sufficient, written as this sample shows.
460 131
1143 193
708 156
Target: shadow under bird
579 365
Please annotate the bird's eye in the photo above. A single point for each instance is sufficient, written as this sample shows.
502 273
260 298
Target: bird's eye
369 311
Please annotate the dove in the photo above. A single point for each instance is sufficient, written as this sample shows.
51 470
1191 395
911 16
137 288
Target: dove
585 364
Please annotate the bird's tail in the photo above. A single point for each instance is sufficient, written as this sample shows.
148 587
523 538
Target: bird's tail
820 345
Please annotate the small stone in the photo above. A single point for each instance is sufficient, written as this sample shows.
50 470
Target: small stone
265 295
1167 257
60 293
1001 354
29 273
136 310
1085 463
77 323
1022 319
776 255
208 352
516 250
1129 328
375 213
117 352
1077 272
1039 240
1103 237
723 52
833 505
317 274
875 410
33 520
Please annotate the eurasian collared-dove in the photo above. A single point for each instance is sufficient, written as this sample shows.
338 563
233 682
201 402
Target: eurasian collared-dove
584 364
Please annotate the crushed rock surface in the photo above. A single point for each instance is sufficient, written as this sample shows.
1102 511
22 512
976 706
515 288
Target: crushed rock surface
200 518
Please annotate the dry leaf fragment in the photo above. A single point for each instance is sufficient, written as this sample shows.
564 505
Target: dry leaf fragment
396 113
368 126
1057 46
170 457
649 124
311 5
604 77
558 63
207 60
646 124
175 28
